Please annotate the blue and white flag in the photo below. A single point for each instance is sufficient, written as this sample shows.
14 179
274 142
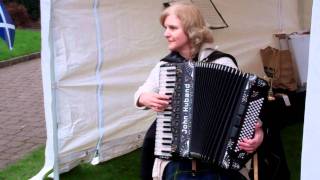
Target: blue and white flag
7 28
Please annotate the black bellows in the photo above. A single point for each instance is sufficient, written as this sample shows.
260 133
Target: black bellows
216 99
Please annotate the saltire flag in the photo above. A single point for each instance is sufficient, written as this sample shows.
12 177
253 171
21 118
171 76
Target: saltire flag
7 28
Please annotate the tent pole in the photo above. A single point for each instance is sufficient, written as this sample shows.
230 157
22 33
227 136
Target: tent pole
53 96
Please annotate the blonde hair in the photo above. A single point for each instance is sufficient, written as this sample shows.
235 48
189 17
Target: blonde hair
192 22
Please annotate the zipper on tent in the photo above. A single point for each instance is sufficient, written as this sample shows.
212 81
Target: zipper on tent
96 158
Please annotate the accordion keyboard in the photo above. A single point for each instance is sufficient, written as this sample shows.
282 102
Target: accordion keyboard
163 143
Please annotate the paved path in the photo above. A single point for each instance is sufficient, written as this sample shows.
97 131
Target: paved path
22 124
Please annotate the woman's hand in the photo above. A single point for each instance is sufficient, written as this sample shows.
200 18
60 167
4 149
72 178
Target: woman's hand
251 145
154 101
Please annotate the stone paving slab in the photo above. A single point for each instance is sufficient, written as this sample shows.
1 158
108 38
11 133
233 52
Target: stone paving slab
19 59
22 124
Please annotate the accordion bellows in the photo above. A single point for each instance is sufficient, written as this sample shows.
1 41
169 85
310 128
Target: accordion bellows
212 108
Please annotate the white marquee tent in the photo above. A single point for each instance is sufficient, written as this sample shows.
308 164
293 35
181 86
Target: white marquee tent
96 53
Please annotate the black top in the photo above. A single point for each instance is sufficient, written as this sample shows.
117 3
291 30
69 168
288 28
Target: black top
175 57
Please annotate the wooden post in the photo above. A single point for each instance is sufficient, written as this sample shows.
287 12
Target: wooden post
255 167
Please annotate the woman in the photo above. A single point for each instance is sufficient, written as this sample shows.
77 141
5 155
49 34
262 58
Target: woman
188 40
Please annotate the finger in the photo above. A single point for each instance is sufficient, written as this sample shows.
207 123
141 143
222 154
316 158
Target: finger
244 144
156 109
258 125
162 102
158 105
258 135
249 151
250 142
162 97
247 148
245 140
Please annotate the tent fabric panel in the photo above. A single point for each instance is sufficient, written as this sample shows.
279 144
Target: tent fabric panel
310 144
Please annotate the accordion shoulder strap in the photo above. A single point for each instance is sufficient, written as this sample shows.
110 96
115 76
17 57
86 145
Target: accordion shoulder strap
175 57
218 54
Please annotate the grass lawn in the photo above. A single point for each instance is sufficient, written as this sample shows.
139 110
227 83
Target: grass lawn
124 167
25 168
292 140
127 167
26 42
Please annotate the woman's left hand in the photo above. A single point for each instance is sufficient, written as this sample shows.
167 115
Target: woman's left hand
251 145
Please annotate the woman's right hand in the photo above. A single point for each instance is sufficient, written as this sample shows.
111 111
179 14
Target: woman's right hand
154 101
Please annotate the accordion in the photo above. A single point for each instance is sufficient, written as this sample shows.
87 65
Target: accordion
212 108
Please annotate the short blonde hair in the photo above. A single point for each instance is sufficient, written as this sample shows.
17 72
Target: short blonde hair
192 22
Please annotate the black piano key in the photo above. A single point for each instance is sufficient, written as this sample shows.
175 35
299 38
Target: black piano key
166 138
170 81
164 151
167 144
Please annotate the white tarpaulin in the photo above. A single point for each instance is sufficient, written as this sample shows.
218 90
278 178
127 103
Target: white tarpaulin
310 146
96 53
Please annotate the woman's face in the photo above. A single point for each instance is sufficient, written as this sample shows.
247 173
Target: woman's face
176 37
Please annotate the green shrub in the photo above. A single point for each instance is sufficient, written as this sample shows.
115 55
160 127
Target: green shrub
32 6
18 14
